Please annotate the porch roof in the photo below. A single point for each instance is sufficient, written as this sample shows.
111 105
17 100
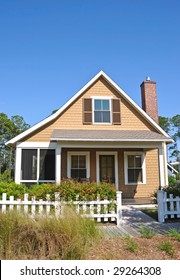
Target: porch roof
107 135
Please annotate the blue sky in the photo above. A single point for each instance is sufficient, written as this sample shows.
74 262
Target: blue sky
49 49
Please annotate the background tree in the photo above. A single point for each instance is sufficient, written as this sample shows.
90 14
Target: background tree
165 123
9 128
172 127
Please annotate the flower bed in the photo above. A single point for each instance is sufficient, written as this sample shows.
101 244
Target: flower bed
68 190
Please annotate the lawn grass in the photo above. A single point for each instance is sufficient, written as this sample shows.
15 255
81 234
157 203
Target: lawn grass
153 213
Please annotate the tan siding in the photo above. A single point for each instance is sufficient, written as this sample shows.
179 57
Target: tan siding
152 177
72 118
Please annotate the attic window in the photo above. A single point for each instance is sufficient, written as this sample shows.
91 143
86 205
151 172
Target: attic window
102 111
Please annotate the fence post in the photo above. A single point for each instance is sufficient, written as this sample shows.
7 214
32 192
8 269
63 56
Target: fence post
48 208
4 197
98 208
11 206
58 208
33 205
119 207
160 200
25 205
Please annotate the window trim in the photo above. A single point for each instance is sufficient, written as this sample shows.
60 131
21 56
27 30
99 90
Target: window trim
109 98
87 154
143 157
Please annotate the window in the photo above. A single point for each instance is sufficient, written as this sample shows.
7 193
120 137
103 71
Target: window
38 165
78 165
134 168
102 111
29 164
47 165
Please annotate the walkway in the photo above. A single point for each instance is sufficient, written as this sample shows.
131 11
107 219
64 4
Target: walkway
134 219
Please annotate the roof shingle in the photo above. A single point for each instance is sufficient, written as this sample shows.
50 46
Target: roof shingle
108 135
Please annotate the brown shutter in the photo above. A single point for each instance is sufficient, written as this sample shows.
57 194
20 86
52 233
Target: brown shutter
116 112
87 111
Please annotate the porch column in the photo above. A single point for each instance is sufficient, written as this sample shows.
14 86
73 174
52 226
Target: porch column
161 167
18 165
165 163
58 163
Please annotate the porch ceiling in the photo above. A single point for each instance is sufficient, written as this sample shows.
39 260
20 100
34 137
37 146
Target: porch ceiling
108 135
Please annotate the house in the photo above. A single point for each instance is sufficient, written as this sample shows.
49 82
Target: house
171 170
99 134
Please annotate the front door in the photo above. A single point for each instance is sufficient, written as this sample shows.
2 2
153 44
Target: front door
106 168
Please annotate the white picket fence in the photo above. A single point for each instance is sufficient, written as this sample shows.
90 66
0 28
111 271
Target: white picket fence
101 210
168 207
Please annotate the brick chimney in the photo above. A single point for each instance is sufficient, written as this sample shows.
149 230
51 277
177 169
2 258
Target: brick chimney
149 98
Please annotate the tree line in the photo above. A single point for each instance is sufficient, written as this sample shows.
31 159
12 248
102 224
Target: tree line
172 127
11 127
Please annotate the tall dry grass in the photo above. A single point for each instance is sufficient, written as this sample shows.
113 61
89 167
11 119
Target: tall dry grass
68 237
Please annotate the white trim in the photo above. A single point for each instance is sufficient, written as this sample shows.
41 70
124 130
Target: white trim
18 166
77 95
88 144
38 165
58 163
39 181
18 174
115 154
143 156
102 97
107 140
165 163
110 110
87 154
161 167
32 145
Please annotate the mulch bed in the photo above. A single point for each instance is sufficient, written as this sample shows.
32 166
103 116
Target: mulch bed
147 249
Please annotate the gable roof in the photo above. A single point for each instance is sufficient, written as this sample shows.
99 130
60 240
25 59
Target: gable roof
76 96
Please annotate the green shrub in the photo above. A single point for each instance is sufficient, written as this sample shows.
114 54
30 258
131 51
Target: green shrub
172 181
17 190
173 188
70 189
6 176
67 189
68 237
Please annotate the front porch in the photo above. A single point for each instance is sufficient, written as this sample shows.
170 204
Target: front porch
128 168
137 168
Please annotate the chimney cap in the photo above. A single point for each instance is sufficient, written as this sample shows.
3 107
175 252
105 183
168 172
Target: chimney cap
148 78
